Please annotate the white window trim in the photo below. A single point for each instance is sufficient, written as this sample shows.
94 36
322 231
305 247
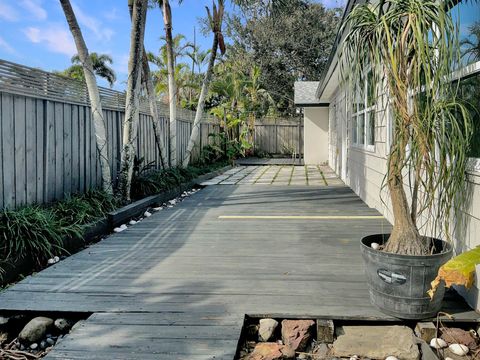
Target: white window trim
366 111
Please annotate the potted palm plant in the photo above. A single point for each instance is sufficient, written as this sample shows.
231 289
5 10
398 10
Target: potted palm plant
411 49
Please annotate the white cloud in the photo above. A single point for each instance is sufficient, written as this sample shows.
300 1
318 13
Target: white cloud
93 24
112 15
7 12
6 46
35 8
56 38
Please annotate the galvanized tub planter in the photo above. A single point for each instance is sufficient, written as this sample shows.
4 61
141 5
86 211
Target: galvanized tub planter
398 284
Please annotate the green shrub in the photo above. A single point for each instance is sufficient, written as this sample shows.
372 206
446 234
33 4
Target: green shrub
84 208
33 231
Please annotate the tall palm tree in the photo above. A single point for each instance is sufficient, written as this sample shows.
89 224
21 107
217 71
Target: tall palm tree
152 100
215 18
167 20
130 124
93 94
100 68
471 44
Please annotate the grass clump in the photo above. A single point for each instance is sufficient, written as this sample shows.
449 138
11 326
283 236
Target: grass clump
148 182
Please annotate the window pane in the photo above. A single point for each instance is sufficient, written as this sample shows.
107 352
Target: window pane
361 129
469 91
370 89
371 128
354 130
467 15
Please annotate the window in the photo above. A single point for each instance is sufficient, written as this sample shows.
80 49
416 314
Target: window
363 117
467 15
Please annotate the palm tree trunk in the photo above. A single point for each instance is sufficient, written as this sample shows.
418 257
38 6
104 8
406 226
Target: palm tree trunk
93 94
194 136
172 91
405 237
130 125
151 100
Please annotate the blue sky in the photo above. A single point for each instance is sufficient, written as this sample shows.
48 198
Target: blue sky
35 33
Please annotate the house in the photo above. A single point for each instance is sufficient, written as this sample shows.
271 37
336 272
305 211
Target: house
359 141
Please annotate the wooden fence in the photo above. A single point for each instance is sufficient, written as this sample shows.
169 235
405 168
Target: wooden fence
47 140
279 136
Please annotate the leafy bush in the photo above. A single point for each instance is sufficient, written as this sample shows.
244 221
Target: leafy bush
84 208
34 231
38 232
145 183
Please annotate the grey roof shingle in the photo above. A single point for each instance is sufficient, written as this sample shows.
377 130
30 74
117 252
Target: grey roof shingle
305 92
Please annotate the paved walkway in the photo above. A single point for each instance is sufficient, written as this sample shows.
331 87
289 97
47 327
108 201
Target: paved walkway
316 175
178 284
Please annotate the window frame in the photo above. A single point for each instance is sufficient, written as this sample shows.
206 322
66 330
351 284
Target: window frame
366 112
463 72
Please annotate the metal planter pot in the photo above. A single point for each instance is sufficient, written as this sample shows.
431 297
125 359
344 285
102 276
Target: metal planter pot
398 284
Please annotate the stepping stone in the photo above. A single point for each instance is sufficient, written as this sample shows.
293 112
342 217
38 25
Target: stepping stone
376 342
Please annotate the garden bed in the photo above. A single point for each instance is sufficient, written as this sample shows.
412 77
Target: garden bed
25 336
15 269
322 339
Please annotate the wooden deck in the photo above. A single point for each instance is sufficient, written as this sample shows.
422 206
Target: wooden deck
178 284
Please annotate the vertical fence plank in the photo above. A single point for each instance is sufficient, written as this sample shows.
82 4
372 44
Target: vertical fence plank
8 153
40 150
67 148
20 165
82 149
31 148
50 147
75 150
59 150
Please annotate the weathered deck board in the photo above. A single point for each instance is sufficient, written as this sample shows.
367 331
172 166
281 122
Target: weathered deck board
178 284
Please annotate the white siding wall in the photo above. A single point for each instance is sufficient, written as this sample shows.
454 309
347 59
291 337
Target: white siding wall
366 170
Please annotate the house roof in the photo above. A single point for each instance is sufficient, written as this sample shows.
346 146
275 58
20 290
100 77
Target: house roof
305 93
326 87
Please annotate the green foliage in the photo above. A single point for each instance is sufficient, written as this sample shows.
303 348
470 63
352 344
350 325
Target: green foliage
38 232
84 208
289 40
150 182
100 67
33 231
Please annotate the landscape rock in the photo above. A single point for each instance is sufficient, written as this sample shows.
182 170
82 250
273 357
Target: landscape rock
34 346
35 329
458 349
296 333
266 329
438 343
3 337
63 325
321 351
459 336
377 342
4 320
50 341
271 351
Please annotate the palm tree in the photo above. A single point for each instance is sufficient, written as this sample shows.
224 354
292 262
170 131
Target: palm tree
152 100
471 47
130 124
215 19
93 94
395 40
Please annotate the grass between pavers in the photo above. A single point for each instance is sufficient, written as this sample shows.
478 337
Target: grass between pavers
276 174
323 176
37 232
262 173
